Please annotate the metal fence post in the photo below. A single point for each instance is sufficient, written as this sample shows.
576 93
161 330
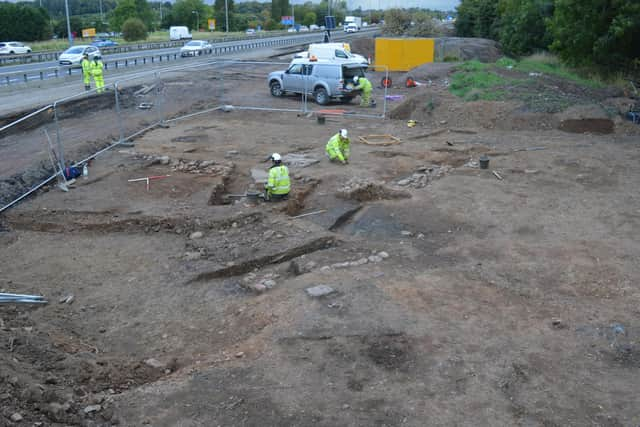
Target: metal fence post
58 137
118 113
224 65
305 96
159 99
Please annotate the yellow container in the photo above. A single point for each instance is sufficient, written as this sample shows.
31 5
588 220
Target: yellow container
403 54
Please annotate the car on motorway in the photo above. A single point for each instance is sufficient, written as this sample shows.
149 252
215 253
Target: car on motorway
195 48
13 48
351 28
103 43
304 29
324 80
250 32
73 55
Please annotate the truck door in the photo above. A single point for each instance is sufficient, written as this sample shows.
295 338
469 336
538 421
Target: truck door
292 79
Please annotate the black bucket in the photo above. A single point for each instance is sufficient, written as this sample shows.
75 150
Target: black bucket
484 162
321 120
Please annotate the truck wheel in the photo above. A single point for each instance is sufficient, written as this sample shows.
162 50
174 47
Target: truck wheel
276 89
321 95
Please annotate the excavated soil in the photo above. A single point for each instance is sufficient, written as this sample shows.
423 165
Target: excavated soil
458 296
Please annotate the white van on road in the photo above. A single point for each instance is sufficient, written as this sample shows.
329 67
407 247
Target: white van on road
179 33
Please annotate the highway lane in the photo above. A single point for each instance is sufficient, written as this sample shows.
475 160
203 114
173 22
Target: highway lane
116 56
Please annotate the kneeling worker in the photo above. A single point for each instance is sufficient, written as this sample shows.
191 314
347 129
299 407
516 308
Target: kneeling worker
338 147
278 184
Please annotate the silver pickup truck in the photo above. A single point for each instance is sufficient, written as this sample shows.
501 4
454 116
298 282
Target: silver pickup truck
324 80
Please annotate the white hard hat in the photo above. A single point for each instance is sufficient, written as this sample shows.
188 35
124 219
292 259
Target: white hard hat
276 157
355 79
343 133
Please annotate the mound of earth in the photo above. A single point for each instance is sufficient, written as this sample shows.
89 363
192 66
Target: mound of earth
432 72
433 107
364 190
466 48
365 46
590 118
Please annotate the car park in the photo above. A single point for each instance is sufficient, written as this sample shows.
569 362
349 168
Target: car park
13 48
103 43
73 55
195 48
324 80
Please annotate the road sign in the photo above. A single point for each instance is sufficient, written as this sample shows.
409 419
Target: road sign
330 22
287 20
88 32
212 24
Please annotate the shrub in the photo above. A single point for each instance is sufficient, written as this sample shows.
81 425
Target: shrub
134 29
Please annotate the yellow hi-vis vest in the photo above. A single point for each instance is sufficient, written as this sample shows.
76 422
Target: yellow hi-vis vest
278 182
338 147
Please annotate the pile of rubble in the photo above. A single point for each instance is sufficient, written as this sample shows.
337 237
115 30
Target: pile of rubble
363 189
424 175
372 259
208 167
252 282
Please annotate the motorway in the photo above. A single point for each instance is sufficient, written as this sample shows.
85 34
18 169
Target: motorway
31 67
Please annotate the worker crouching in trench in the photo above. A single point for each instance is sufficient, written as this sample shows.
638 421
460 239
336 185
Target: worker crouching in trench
278 184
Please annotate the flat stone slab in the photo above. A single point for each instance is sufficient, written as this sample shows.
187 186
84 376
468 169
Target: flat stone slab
320 291
259 176
299 160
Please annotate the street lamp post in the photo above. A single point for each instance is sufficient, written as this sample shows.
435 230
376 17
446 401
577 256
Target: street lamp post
66 9
226 16
197 19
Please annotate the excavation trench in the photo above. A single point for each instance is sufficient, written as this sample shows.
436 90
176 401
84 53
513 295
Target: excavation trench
105 222
281 256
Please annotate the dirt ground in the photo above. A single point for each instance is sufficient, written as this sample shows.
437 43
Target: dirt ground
460 296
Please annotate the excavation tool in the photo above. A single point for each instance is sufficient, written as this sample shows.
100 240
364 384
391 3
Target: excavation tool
148 179
21 299
53 157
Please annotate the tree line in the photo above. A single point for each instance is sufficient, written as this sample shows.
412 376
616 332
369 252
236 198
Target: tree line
23 22
596 34
28 21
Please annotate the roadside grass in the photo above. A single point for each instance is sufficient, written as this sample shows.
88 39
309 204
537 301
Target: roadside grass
546 63
474 81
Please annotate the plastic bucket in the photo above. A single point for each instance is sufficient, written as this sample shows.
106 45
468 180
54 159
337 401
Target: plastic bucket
484 162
